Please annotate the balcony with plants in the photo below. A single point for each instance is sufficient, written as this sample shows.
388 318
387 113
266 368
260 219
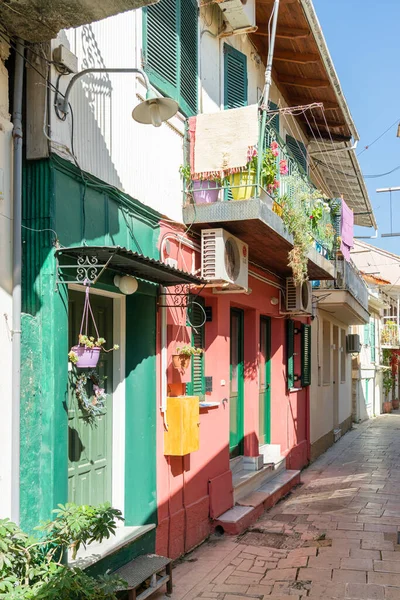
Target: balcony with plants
271 204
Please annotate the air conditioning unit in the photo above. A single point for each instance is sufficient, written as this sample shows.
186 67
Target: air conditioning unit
224 258
240 15
298 298
353 344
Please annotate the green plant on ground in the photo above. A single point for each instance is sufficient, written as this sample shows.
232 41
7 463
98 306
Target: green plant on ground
388 382
33 568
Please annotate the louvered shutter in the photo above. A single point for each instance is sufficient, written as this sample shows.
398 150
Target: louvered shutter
188 54
306 355
373 340
366 334
235 78
298 150
196 317
290 353
170 43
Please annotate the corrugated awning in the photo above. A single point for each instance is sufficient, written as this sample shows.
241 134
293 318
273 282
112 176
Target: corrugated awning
132 263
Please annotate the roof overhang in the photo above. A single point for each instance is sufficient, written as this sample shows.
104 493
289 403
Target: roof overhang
132 263
41 20
342 305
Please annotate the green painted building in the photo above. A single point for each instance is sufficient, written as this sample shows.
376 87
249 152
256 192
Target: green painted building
63 458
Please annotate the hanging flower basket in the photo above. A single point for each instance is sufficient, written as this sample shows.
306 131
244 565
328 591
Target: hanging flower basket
86 354
181 362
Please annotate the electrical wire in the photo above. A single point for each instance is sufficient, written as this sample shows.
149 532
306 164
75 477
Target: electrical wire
378 138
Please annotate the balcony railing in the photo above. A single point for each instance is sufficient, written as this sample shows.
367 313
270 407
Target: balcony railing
348 278
294 192
390 335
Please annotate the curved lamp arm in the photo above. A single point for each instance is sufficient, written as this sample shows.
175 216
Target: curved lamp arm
62 102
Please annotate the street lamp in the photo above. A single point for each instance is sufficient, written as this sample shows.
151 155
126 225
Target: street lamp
153 110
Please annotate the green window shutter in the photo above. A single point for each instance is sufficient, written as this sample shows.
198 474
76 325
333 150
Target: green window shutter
235 78
196 316
306 355
366 335
189 49
170 45
373 341
298 150
290 353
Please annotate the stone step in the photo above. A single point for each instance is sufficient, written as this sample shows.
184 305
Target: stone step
245 481
250 507
271 453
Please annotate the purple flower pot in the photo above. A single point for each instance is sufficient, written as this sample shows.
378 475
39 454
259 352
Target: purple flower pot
87 357
205 192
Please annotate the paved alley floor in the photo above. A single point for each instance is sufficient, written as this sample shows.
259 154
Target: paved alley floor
335 536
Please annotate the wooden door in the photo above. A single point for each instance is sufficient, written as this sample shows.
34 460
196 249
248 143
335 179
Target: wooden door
265 382
236 411
90 445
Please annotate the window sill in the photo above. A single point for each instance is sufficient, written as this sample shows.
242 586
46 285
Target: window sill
209 404
292 390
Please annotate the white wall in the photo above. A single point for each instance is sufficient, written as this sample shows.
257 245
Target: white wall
322 394
139 159
5 290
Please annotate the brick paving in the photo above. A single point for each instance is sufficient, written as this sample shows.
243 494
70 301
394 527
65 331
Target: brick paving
334 537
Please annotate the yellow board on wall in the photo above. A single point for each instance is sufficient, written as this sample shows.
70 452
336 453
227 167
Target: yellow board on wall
183 418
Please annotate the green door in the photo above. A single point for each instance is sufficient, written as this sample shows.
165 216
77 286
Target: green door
90 445
236 384
265 381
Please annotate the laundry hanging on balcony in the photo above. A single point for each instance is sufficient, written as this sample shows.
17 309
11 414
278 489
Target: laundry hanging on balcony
346 230
220 142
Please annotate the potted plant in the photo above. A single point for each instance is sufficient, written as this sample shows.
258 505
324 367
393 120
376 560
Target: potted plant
205 190
86 353
396 404
243 182
181 360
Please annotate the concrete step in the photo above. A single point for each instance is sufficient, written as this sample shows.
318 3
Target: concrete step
271 453
250 507
245 481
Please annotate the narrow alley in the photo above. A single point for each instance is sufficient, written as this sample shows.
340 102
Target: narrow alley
335 536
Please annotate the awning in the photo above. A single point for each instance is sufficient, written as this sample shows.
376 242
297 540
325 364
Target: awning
132 263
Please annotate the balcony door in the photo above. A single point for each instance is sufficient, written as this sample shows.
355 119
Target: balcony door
265 382
236 396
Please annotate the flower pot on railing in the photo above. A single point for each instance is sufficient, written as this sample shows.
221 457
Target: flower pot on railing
205 191
243 184
87 357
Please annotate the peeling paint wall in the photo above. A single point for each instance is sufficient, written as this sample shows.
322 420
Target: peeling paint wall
5 287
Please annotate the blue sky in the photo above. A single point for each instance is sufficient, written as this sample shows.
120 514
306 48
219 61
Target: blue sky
363 37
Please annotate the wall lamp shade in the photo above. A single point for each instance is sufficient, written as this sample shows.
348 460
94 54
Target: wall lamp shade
154 110
127 284
398 130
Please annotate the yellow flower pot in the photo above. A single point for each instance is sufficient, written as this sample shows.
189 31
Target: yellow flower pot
246 180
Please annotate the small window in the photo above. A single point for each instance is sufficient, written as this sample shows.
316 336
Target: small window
170 48
326 352
342 356
290 353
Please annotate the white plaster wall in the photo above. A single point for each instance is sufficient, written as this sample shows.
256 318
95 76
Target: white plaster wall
321 396
5 294
138 159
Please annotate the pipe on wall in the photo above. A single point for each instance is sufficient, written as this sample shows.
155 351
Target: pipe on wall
16 292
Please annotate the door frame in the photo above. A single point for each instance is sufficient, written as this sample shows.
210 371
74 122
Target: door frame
239 449
118 412
268 375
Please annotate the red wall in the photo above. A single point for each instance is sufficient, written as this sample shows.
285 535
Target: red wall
183 482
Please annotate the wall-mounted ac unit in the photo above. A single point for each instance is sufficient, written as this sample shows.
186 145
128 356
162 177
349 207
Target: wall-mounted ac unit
240 15
353 344
224 258
298 298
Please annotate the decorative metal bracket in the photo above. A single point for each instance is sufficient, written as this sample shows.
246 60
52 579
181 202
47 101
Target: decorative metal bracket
180 296
88 270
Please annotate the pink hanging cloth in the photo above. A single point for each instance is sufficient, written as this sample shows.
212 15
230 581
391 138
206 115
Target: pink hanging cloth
346 230
192 141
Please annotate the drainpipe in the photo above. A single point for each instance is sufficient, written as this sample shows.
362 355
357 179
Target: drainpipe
267 85
16 293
